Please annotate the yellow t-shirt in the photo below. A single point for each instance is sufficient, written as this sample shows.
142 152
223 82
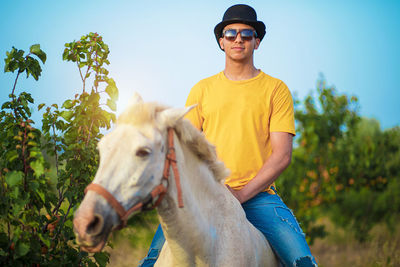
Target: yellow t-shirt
238 116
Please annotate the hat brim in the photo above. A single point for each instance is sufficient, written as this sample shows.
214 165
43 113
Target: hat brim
259 26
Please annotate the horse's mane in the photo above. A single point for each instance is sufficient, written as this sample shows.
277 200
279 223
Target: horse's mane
146 113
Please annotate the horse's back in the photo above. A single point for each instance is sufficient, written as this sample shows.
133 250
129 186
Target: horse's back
250 248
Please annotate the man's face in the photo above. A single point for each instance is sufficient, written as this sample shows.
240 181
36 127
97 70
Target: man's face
239 48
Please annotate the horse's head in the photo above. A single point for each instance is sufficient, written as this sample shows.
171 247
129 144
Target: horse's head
131 165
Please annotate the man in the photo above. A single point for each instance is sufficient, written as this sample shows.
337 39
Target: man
248 115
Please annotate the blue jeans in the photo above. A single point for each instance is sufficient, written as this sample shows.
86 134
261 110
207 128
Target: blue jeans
275 220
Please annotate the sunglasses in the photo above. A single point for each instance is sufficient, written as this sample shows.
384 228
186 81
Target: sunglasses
245 34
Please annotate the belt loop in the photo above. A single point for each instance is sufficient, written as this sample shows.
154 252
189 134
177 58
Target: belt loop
273 188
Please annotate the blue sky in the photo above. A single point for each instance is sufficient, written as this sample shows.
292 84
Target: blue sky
162 48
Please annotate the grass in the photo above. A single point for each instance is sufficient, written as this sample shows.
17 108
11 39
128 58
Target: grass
132 243
340 248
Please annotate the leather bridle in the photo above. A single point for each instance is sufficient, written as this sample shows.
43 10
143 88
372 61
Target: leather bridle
160 190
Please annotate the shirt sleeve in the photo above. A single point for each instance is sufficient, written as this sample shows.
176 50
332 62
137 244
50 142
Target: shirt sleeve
195 116
282 115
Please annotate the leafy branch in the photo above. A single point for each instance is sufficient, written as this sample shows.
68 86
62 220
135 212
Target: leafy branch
15 60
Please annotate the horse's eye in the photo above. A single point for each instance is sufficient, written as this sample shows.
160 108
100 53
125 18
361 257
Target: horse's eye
143 152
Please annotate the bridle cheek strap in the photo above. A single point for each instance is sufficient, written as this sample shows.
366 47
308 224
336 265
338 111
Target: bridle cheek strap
160 190
170 159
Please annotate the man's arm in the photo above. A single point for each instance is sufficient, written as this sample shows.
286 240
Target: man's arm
279 160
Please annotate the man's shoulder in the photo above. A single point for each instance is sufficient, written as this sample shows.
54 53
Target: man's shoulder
277 86
205 84
210 79
272 79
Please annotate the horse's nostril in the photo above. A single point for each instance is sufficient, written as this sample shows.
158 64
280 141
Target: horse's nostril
96 225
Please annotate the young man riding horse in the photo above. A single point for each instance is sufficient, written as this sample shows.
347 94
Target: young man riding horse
248 115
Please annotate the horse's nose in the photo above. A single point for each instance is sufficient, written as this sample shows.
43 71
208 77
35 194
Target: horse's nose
95 226
88 224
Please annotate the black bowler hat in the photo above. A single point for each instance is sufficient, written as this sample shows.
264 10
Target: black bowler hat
240 14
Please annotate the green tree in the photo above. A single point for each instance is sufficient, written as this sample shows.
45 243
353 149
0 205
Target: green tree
312 179
25 190
73 131
343 166
36 214
371 179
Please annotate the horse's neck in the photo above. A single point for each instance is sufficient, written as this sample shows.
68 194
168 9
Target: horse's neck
211 220
191 229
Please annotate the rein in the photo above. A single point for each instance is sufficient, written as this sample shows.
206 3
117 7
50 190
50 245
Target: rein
159 190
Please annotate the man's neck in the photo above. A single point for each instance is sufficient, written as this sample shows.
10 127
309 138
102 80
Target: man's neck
237 71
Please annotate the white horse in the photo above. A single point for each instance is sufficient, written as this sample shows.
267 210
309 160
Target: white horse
208 229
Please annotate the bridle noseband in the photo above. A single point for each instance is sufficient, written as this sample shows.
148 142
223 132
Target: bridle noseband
148 202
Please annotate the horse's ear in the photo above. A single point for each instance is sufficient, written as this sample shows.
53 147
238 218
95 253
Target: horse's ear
171 116
135 99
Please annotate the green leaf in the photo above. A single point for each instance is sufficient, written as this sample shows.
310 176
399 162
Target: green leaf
65 53
111 104
37 167
28 97
35 49
67 115
67 104
40 106
32 143
33 154
14 60
42 196
112 89
44 240
21 249
13 178
101 258
11 155
15 194
34 186
82 64
33 67
94 98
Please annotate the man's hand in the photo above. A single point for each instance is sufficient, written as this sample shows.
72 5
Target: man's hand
235 193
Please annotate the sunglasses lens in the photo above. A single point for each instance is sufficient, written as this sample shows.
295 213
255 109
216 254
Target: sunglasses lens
247 34
230 34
